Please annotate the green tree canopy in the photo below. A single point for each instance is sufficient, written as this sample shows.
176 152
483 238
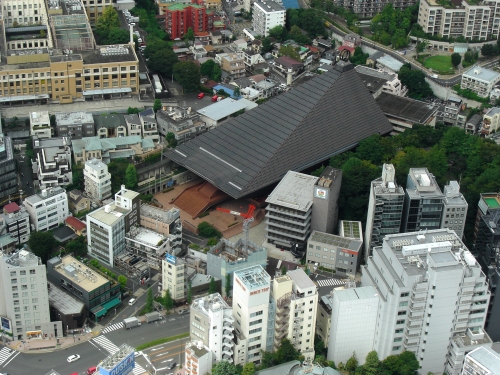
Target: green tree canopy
42 244
358 57
279 33
212 288
352 364
157 105
290 51
189 297
207 67
414 80
108 20
117 35
228 287
286 352
189 34
131 177
78 246
149 301
187 73
168 302
163 61
224 368
248 369
456 59
122 280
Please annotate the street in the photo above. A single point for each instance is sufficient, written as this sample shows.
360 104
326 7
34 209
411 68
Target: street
25 176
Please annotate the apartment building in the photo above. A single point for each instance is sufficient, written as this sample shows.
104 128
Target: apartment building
8 178
24 301
149 125
40 125
356 331
47 209
174 277
97 180
212 323
182 122
369 9
266 15
15 221
296 301
472 20
198 359
75 125
94 9
232 64
325 211
481 361
337 253
289 210
480 80
179 17
106 226
149 245
99 294
227 257
454 209
167 222
52 164
433 300
385 209
251 292
448 114
491 121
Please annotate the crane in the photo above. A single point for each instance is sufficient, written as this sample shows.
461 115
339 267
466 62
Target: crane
248 219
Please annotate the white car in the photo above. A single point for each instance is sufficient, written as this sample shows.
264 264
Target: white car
132 23
132 301
73 358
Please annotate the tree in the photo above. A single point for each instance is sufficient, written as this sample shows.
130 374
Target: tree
157 105
189 297
117 35
224 368
351 364
131 110
122 280
206 69
237 92
77 246
372 364
108 20
216 73
319 346
131 177
149 301
278 32
248 369
189 34
358 57
187 73
171 140
207 230
456 59
286 352
228 287
283 270
414 80
163 61
42 244
290 51
266 45
168 302
421 46
409 363
212 288
488 50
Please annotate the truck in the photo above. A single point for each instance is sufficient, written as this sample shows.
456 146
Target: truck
131 322
152 316
134 19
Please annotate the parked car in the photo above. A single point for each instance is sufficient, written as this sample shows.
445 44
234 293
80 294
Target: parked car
201 95
91 370
73 358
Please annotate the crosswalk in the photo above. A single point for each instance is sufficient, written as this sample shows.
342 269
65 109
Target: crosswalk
331 282
5 354
113 327
138 369
105 343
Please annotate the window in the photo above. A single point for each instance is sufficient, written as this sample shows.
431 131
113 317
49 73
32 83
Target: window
398 339
406 294
399 330
396 348
400 321
401 312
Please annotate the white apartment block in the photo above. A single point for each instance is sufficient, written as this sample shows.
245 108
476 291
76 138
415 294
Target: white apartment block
52 164
212 323
296 301
480 80
353 323
482 361
251 291
199 359
433 299
47 209
174 277
24 300
40 124
149 125
455 209
491 120
266 15
97 180
473 21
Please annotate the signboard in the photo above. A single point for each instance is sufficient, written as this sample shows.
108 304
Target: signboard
124 367
6 325
170 258
321 193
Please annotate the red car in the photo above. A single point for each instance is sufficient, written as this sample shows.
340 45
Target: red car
201 95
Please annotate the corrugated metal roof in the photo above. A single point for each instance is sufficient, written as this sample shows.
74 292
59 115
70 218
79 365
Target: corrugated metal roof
326 115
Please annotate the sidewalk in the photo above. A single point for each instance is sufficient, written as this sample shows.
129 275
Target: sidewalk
51 345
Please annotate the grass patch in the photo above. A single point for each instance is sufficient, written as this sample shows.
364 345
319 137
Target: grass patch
161 341
440 64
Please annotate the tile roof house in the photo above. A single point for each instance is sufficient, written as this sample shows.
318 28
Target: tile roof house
293 131
284 63
78 226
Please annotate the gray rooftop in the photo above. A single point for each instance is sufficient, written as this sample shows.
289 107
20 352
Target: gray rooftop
334 240
254 277
492 111
226 107
482 74
407 109
39 197
301 279
269 6
73 118
64 302
295 191
23 258
293 131
390 62
353 294
487 358
452 194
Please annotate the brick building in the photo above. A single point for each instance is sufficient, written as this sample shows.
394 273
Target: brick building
179 17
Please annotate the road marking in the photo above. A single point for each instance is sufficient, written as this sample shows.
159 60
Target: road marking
112 327
161 354
331 282
161 347
12 359
106 344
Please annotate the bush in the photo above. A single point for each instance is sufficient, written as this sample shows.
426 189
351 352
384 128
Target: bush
207 230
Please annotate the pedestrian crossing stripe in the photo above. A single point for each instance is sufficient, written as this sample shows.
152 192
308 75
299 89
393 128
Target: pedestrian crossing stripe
112 327
138 369
106 344
5 353
331 282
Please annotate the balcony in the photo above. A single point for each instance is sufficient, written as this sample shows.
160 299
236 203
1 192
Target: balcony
227 352
228 335
228 343
228 319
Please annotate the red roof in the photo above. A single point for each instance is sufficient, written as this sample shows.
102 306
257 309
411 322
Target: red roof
350 49
313 49
75 223
11 208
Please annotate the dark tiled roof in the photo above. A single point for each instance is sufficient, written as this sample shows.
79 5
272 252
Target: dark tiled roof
327 115
288 62
407 109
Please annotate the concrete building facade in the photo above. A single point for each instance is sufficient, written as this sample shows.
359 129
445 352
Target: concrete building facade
75 125
198 360
267 15
24 301
325 210
97 180
481 361
480 80
52 164
47 209
15 221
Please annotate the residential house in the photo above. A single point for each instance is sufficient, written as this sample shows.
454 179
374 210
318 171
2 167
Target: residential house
480 80
180 121
197 50
47 209
149 125
250 57
203 36
52 164
214 114
231 64
491 121
78 202
76 225
40 125
216 37
473 124
285 65
391 83
75 125
110 126
134 125
238 44
448 114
